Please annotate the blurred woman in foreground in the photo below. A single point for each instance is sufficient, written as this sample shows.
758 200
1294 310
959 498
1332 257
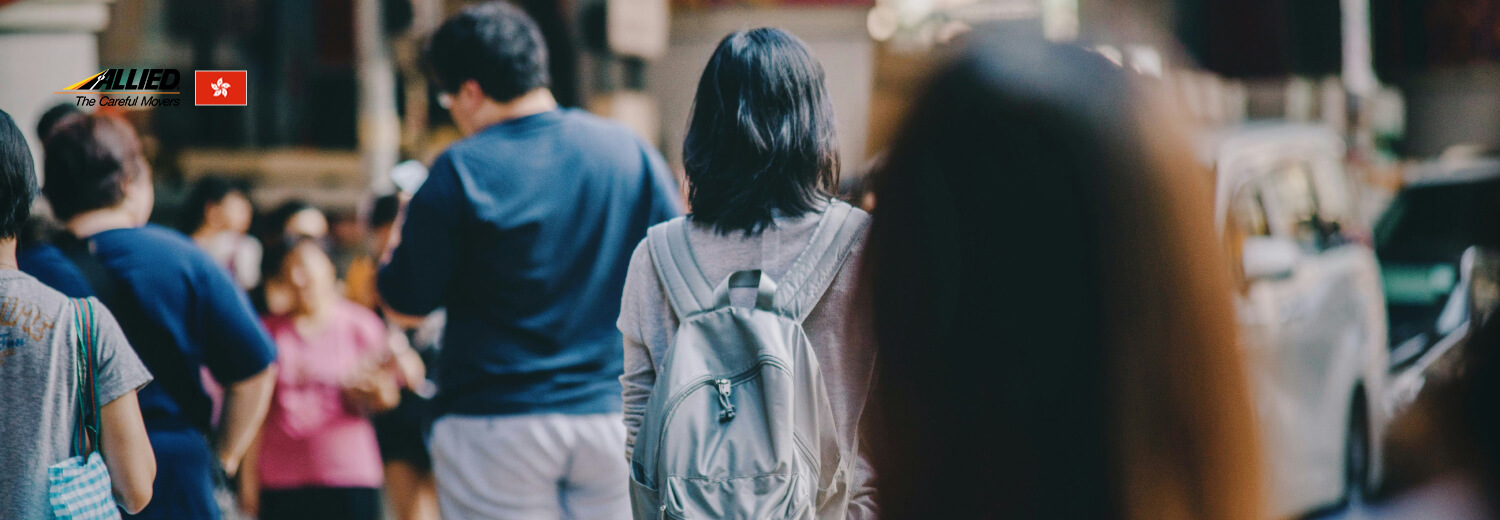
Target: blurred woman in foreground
1052 314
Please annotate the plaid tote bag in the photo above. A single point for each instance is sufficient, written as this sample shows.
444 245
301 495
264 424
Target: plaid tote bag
79 487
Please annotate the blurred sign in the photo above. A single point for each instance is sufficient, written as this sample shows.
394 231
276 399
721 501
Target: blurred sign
637 27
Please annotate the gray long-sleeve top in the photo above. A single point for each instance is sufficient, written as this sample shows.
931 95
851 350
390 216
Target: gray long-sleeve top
840 337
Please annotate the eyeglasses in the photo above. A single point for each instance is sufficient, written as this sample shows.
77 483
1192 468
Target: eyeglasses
445 100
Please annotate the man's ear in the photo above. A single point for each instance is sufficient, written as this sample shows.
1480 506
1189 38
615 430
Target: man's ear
470 88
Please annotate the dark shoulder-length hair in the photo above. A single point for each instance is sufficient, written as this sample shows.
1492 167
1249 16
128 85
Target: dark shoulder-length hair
1051 311
761 141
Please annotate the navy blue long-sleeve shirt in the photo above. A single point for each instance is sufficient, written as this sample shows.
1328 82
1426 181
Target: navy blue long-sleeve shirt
524 231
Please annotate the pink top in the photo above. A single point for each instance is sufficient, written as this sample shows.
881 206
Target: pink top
311 437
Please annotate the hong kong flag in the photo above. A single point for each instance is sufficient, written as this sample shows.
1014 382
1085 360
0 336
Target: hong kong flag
219 88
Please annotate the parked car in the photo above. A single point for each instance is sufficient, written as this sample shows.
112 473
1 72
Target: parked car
1437 249
1311 308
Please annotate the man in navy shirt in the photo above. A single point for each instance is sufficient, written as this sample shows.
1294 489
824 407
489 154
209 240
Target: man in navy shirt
180 311
524 231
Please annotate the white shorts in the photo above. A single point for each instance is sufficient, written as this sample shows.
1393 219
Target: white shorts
531 467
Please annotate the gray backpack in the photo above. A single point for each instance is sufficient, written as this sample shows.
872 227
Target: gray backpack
739 425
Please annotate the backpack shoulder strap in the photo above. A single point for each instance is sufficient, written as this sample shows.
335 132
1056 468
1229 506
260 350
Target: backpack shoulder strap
813 271
687 288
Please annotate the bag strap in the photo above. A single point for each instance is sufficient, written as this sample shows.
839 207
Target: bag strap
688 290
815 268
86 333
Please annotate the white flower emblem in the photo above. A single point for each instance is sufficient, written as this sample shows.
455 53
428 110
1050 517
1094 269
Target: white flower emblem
220 88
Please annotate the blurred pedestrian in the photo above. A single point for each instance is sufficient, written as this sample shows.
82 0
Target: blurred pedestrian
294 219
217 215
347 240
178 308
359 281
762 165
39 367
409 486
1052 315
523 231
316 457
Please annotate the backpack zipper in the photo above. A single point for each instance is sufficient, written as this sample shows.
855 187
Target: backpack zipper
727 413
741 377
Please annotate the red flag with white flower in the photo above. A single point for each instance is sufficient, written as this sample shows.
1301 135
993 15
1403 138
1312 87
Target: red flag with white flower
219 88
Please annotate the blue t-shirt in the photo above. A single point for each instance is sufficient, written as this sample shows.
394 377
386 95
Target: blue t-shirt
51 267
524 231
192 315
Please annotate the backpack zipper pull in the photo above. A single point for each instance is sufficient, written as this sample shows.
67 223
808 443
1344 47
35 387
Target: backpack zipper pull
727 413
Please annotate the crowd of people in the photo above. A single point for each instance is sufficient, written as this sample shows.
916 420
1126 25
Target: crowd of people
1035 322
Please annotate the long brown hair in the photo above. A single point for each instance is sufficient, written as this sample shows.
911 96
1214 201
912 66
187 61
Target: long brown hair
1052 312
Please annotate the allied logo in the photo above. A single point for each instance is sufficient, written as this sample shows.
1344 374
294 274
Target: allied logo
131 81
127 88
220 88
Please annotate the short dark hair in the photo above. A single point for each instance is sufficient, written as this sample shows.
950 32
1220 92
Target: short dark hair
53 116
496 44
17 178
761 139
208 190
384 210
89 161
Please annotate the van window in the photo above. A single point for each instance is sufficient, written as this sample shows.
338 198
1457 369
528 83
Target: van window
1247 217
1332 191
1292 205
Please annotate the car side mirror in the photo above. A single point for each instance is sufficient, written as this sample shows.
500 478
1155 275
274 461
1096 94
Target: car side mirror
1269 258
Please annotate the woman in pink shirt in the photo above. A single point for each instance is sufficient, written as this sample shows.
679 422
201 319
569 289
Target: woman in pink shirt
317 456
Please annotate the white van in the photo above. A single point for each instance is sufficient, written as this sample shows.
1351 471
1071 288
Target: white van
1311 310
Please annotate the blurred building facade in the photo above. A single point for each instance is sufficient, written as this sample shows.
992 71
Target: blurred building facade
338 95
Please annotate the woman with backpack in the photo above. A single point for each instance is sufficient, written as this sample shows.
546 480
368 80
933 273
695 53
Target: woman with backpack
1052 312
744 381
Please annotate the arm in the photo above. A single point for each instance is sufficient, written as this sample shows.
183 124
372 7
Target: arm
639 379
239 353
404 361
249 480
373 390
127 452
640 371
415 280
374 386
245 406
